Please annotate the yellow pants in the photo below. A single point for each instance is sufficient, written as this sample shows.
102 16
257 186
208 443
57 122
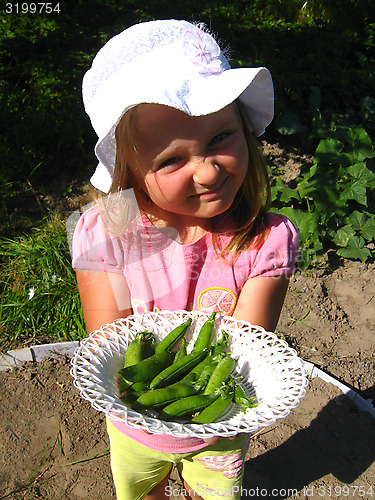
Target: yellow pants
214 471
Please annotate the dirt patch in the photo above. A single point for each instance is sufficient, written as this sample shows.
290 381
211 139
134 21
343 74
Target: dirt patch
286 159
47 427
329 318
321 450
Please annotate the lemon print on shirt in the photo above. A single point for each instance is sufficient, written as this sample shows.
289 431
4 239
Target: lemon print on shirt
216 299
138 306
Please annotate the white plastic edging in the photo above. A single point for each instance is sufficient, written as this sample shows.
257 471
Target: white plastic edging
363 405
36 353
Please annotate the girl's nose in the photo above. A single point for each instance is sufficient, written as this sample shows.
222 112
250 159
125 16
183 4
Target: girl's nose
206 171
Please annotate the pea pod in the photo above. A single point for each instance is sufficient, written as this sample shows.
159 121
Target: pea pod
141 386
181 352
195 373
148 345
147 368
173 337
177 370
220 375
204 337
213 411
133 352
165 395
204 377
133 392
186 406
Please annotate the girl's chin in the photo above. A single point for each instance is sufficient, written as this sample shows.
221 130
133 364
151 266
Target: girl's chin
213 209
190 214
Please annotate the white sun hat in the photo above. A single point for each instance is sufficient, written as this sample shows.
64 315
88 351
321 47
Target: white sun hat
169 62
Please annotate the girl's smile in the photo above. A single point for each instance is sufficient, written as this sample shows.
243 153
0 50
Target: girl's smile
190 167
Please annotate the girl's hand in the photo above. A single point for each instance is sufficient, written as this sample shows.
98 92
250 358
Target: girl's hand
212 440
216 439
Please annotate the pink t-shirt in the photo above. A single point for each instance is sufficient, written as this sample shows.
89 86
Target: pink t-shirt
163 274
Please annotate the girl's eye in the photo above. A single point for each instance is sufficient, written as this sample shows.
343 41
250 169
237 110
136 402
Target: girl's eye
171 163
219 138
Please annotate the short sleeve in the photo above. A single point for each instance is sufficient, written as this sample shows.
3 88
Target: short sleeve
278 254
93 248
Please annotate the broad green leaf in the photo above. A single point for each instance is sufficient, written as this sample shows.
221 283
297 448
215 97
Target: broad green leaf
360 171
341 131
368 229
356 220
323 189
355 191
355 249
328 200
342 236
307 224
286 193
289 124
360 145
328 151
274 193
305 188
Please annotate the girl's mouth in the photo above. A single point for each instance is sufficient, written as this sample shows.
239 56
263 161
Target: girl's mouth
212 193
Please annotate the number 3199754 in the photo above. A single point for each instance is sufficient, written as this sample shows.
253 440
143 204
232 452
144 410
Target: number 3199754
32 8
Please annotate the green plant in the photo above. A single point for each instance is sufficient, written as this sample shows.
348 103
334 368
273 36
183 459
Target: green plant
332 201
39 295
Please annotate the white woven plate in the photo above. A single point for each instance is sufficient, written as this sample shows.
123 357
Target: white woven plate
267 368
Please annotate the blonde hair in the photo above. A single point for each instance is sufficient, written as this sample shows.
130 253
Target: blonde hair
249 208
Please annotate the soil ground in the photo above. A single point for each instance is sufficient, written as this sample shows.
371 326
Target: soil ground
54 445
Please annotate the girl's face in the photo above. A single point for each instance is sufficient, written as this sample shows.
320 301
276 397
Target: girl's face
190 167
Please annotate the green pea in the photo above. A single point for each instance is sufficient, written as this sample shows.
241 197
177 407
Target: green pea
214 410
148 345
186 406
165 395
181 352
195 372
147 368
220 375
133 352
173 337
204 337
177 370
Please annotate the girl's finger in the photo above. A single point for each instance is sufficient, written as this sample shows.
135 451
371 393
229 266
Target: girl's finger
213 440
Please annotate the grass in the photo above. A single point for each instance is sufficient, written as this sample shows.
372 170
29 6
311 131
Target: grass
39 299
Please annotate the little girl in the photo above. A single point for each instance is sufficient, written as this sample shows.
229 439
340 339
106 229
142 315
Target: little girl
184 224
